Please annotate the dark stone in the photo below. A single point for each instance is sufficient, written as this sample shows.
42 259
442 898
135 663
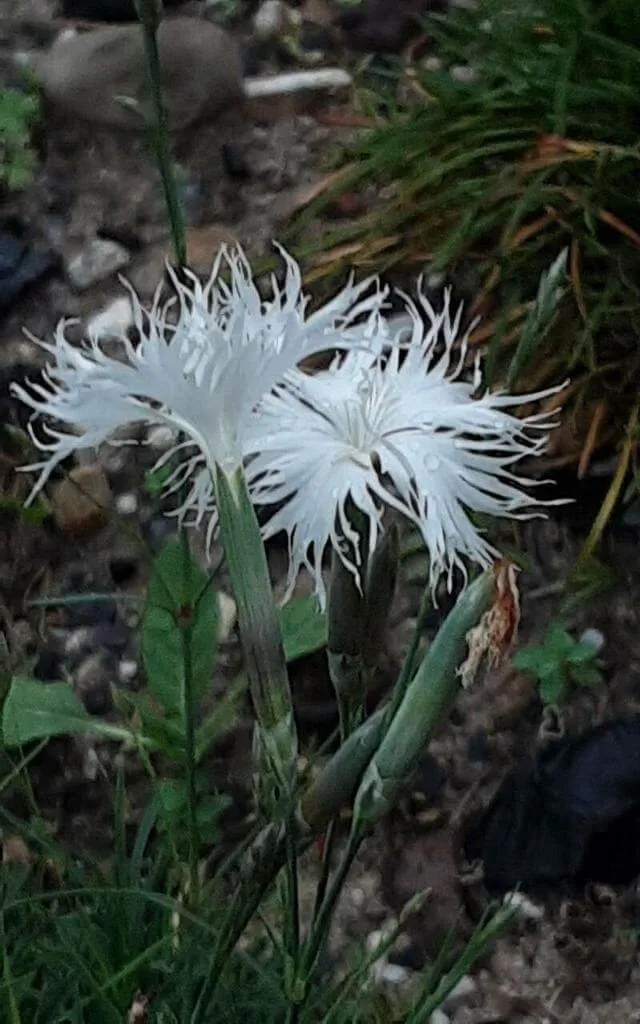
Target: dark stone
316 39
157 530
92 613
378 26
234 161
123 568
429 778
114 636
20 265
411 958
478 748
571 814
48 666
106 10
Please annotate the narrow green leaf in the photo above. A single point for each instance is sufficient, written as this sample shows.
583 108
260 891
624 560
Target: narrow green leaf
222 718
37 711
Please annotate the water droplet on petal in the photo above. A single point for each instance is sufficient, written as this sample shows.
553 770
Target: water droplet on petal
432 463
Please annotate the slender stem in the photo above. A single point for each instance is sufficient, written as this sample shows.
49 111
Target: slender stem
260 632
292 910
322 924
325 868
148 14
190 766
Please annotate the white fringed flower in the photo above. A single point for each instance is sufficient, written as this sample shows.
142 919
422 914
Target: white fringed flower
391 427
202 374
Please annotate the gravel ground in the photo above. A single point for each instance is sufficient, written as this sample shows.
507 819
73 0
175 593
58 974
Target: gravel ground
574 956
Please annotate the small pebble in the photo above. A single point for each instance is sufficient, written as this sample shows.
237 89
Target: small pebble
127 671
439 1017
432 63
97 260
594 638
161 437
80 503
526 908
464 74
77 643
273 20
93 683
16 851
126 504
393 974
436 279
460 994
91 764
112 322
228 613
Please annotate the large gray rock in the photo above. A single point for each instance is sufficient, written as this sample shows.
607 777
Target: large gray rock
90 74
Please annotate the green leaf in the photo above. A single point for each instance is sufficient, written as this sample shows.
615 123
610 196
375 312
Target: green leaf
552 687
37 711
210 810
181 615
222 719
304 627
531 660
156 479
172 796
581 653
587 675
156 730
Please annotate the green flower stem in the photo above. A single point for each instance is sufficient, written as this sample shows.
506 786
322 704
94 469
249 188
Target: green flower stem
322 923
260 634
149 12
345 647
336 784
275 736
334 788
428 697
189 727
346 618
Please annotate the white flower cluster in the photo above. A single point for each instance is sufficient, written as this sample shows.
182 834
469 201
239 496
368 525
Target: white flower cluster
390 424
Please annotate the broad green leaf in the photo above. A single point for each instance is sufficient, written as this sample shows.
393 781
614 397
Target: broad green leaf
36 711
181 619
304 627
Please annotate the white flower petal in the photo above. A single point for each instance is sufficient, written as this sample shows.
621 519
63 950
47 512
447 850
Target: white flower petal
200 371
392 425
